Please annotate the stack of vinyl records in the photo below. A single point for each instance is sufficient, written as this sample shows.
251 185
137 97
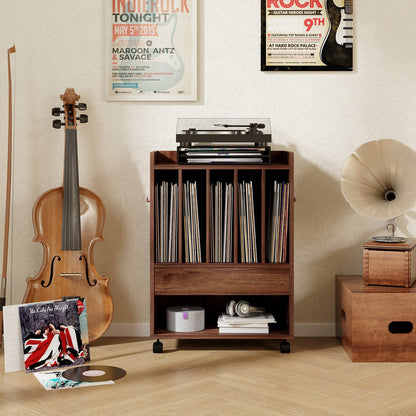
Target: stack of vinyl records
166 222
258 324
191 230
278 223
221 222
248 240
239 155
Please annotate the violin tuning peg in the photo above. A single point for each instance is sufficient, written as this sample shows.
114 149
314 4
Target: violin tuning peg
56 111
81 106
56 124
83 118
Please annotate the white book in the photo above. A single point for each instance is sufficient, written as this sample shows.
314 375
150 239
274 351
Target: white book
227 325
239 330
262 318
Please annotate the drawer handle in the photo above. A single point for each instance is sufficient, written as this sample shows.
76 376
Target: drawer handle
400 327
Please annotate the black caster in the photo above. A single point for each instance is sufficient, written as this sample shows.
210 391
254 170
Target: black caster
158 347
284 347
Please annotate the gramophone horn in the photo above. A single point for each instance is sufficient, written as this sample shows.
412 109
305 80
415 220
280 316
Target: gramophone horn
378 179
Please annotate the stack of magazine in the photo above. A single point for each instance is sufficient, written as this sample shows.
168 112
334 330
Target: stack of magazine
221 222
166 222
278 223
192 237
248 243
257 324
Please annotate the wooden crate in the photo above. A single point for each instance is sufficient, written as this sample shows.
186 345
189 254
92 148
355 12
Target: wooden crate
389 264
375 323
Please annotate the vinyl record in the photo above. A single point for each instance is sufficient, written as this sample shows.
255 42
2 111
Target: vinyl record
94 373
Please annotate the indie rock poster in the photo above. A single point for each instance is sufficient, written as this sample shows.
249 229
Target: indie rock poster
151 50
307 35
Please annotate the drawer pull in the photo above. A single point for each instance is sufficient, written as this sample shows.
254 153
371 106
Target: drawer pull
400 327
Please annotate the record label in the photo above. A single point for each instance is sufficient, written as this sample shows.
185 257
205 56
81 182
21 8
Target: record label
94 373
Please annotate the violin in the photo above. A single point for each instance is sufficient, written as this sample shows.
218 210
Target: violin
68 222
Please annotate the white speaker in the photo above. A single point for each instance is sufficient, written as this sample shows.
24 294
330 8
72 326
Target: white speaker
185 318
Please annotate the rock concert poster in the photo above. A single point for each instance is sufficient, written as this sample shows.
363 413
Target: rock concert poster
306 35
151 50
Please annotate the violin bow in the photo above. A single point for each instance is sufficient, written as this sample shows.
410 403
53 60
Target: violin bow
8 191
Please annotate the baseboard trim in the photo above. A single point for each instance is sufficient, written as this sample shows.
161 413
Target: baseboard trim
315 330
128 330
143 330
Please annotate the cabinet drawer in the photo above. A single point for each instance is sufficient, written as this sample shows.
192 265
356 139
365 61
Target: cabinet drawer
218 280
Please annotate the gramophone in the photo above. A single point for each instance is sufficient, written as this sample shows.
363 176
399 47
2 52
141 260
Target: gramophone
379 181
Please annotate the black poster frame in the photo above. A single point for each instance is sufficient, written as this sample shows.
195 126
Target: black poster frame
332 55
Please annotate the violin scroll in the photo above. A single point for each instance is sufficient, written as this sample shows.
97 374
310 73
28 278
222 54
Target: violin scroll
69 98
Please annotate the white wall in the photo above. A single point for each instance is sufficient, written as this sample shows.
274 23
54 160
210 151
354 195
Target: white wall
322 117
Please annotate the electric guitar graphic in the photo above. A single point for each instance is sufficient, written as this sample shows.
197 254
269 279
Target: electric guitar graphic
165 64
337 49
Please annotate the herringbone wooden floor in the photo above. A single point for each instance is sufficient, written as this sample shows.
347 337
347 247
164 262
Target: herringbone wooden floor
236 378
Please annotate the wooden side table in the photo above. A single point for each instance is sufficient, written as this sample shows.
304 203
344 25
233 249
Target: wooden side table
375 323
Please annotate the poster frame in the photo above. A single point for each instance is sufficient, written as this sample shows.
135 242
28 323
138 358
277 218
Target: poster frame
331 11
189 48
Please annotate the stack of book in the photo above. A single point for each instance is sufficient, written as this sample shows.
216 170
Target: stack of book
257 324
166 222
221 222
248 243
192 236
278 223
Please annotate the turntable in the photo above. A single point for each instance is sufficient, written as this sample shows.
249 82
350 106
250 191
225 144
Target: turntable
223 141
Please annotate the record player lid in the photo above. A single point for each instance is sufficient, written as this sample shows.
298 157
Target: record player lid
237 129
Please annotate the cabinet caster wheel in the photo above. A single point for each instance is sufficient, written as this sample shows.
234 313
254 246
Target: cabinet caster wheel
158 347
284 347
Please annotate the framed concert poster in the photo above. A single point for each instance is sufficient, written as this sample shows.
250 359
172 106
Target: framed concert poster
306 35
151 50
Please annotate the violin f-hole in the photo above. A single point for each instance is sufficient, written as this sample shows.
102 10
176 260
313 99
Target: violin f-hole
51 273
86 271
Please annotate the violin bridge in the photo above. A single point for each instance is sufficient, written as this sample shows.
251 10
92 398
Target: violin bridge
70 274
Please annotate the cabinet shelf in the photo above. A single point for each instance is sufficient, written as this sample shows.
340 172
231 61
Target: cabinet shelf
213 333
169 166
208 282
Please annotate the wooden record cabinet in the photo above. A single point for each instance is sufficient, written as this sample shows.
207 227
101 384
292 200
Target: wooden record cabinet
210 284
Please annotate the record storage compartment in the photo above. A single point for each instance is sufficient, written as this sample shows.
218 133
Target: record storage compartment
203 280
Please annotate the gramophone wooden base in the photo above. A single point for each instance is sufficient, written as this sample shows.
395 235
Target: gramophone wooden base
389 264
375 323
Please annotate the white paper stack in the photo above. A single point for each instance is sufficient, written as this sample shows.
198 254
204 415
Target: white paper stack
258 324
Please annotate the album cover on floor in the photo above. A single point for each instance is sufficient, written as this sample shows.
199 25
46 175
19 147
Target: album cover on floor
53 380
53 334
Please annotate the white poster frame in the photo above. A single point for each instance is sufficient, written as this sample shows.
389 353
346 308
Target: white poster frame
151 50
